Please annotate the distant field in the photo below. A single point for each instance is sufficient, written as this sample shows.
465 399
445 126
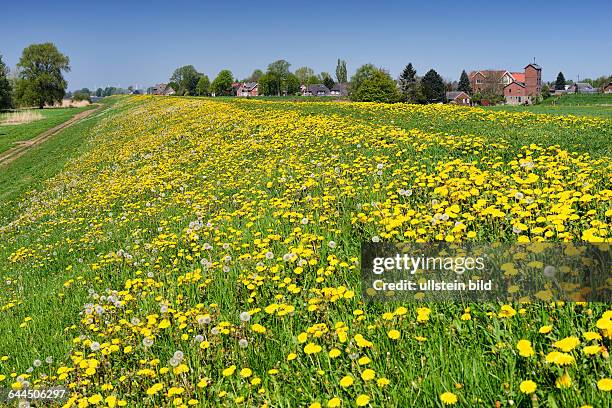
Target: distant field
580 99
574 104
10 134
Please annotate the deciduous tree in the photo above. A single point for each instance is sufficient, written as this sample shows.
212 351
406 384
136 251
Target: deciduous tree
222 84
186 77
363 72
6 90
341 74
303 73
203 87
377 86
41 79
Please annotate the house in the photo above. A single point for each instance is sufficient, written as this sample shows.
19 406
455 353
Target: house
524 87
502 82
458 98
340 89
315 90
515 93
608 88
247 89
162 89
582 87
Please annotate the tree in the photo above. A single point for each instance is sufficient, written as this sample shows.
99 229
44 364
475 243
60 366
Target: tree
292 84
6 90
377 87
81 96
222 84
560 82
99 92
464 83
408 84
258 73
433 87
280 69
41 79
186 77
203 86
341 75
314 79
327 80
362 73
268 84
303 74
545 91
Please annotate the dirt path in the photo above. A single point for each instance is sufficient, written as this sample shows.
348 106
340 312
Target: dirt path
21 147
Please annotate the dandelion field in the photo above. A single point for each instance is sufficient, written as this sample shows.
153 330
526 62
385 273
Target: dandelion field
205 252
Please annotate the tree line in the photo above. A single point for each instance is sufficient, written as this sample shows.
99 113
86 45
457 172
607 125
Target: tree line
369 83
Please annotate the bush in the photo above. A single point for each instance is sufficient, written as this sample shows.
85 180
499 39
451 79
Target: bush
377 87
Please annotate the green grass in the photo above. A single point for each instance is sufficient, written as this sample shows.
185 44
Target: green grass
580 100
10 134
25 175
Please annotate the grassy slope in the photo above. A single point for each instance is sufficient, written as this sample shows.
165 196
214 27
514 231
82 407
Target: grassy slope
9 134
571 104
47 337
26 174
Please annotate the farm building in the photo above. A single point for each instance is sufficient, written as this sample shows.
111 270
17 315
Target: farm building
340 89
514 86
582 87
315 90
608 88
162 89
458 98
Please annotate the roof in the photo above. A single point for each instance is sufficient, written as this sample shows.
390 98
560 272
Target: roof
489 73
536 66
316 88
249 86
518 76
608 84
455 94
521 84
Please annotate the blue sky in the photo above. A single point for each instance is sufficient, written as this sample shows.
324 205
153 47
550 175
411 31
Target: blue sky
141 42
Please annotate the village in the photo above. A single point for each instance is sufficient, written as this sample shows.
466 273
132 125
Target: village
484 87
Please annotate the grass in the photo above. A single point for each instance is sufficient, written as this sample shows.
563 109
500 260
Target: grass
600 99
25 175
570 104
10 134
172 216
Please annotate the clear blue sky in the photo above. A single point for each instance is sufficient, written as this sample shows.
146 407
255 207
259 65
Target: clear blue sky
141 42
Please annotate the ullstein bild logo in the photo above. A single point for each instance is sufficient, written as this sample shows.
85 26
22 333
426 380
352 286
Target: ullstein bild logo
523 272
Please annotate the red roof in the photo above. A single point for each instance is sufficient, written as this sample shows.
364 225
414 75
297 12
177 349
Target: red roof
518 76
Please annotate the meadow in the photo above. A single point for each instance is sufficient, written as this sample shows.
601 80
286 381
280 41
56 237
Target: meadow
205 252
43 119
570 104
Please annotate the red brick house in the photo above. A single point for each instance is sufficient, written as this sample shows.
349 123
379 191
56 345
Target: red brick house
525 87
495 82
247 89
608 88
515 93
